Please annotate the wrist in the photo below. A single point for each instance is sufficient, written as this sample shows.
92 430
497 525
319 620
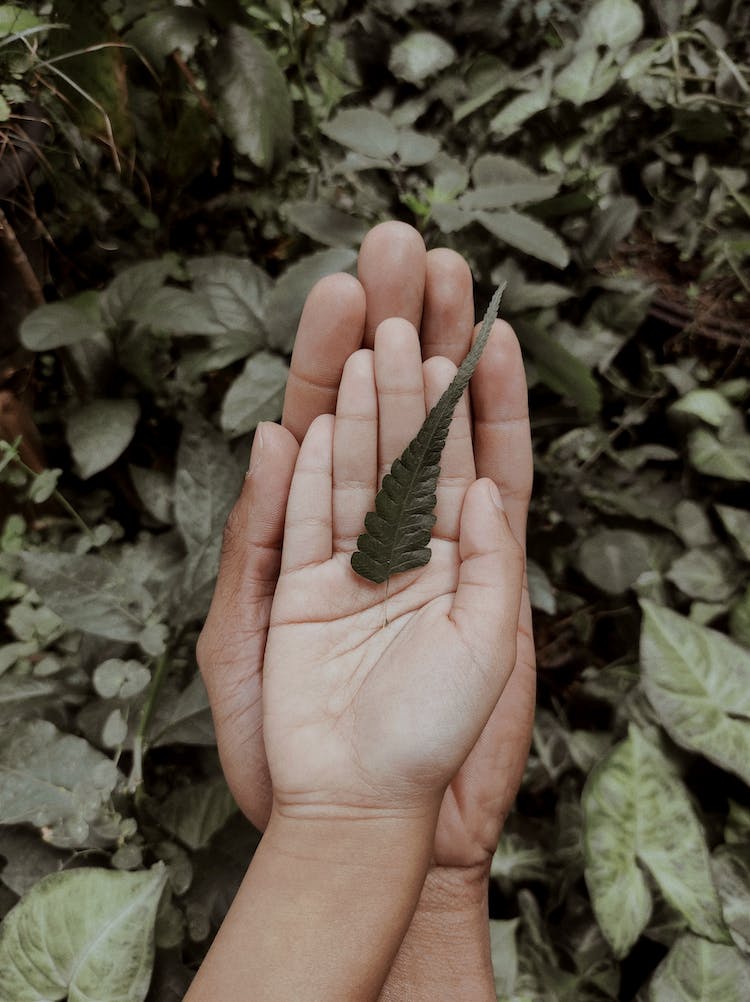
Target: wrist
323 908
445 954
366 839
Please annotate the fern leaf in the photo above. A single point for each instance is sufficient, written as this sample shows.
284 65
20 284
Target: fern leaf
397 533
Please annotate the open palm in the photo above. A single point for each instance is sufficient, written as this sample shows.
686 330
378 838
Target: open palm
434 292
368 701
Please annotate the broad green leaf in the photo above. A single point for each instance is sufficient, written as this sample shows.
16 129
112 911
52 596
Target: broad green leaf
98 433
115 729
541 591
510 118
256 395
415 148
253 102
693 525
509 193
420 55
25 696
739 619
737 523
171 29
613 559
706 405
729 459
504 955
449 175
283 307
54 780
608 228
117 679
614 23
363 130
560 370
594 345
186 720
89 593
698 682
731 869
491 169
397 533
194 813
325 224
218 353
177 311
587 77
82 935
704 573
526 234
55 325
236 289
207 483
28 858
156 491
737 828
14 19
44 485
522 294
697 970
638 814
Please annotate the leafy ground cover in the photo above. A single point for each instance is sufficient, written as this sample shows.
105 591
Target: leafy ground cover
596 157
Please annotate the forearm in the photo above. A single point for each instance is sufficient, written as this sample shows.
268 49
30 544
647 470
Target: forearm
445 954
320 914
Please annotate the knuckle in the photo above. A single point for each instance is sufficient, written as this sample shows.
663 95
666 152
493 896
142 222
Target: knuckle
233 533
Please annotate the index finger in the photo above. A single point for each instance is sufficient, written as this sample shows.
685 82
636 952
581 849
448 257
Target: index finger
330 330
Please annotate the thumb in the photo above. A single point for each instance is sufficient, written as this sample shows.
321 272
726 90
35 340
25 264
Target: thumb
254 530
488 597
232 643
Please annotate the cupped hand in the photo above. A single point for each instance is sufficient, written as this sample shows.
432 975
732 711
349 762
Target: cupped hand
434 292
374 696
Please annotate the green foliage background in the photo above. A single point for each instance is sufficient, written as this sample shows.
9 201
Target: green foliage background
204 164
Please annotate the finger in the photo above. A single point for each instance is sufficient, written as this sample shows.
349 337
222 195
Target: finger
448 313
504 743
232 643
501 752
457 471
330 329
355 450
487 600
502 437
391 268
308 530
400 389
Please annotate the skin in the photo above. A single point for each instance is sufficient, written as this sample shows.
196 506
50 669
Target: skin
368 712
341 316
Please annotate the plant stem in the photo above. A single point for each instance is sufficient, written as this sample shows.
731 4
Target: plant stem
147 712
61 500
20 261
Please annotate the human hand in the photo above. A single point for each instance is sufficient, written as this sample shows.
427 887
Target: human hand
373 697
437 299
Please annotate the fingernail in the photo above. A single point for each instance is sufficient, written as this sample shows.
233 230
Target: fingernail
496 498
255 451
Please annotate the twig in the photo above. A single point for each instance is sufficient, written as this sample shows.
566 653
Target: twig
683 318
147 712
192 83
20 261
